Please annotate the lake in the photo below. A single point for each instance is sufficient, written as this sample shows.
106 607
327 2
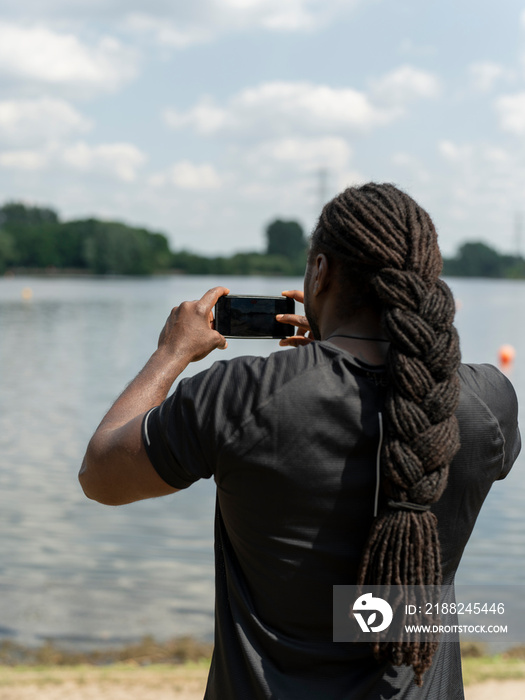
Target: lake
80 573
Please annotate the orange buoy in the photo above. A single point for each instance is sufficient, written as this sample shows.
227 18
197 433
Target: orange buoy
506 355
27 293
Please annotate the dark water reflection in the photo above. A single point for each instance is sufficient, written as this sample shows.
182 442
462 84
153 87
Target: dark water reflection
71 569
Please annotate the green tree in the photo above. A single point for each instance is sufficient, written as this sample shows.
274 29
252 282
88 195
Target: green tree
7 250
114 248
193 264
285 238
475 259
19 213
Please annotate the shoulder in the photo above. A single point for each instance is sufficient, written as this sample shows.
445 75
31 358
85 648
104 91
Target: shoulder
484 379
486 384
237 386
488 405
249 374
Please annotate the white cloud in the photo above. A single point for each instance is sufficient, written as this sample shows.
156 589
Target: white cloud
495 155
412 167
511 112
409 47
294 15
32 121
23 160
304 154
405 84
202 20
282 107
349 178
485 74
121 160
188 176
166 32
205 118
118 160
454 153
37 55
317 106
232 14
480 189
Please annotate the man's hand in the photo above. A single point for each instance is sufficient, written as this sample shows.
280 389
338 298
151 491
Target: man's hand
189 329
301 323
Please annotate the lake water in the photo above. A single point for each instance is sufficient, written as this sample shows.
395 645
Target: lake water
81 573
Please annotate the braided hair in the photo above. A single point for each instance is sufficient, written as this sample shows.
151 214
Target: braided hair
386 244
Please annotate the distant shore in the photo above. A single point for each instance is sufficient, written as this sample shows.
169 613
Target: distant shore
73 272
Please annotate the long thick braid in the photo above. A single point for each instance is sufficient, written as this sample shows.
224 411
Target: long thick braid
384 240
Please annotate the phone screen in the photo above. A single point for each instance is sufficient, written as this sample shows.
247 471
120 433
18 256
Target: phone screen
253 316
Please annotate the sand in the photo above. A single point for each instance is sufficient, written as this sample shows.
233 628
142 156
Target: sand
98 684
148 684
502 690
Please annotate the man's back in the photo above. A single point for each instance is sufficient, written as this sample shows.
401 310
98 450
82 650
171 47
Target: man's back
300 462
292 441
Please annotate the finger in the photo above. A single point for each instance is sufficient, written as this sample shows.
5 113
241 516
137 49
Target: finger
208 300
295 341
296 294
222 342
293 319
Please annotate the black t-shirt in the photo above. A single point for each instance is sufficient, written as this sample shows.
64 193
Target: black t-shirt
292 442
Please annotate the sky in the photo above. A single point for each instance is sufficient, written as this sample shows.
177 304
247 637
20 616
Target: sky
207 119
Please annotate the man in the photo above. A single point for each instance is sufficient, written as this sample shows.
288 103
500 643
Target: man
294 442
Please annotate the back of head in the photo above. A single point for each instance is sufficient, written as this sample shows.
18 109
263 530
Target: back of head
386 244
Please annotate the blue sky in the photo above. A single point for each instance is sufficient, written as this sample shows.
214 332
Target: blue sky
208 119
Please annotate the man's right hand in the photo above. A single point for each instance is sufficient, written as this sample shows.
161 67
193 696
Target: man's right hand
300 322
190 328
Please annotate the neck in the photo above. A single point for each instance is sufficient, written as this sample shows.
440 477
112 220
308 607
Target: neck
366 341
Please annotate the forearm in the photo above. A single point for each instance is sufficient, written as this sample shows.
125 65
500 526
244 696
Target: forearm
149 388
116 468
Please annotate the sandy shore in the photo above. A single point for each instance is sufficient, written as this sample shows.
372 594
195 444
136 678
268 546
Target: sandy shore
502 690
88 683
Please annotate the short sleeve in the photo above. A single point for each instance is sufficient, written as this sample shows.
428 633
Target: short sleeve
505 408
498 394
183 436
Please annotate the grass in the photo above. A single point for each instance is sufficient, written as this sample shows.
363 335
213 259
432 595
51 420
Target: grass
182 662
145 652
496 667
178 664
478 666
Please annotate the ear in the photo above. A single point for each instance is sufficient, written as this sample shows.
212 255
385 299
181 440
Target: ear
321 274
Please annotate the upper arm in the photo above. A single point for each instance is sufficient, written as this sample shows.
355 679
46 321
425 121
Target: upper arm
116 468
497 393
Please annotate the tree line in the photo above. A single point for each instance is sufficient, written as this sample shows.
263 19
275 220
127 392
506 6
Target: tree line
476 259
34 238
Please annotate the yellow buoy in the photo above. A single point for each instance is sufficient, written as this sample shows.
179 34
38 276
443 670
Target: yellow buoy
27 293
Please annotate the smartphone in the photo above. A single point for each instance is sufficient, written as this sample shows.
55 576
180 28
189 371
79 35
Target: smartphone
242 316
